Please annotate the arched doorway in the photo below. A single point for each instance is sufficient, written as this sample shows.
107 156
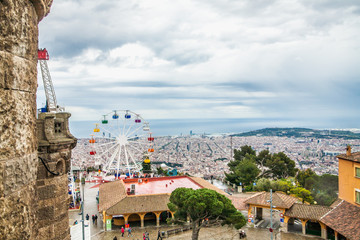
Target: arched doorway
164 216
134 220
118 221
150 219
294 225
313 228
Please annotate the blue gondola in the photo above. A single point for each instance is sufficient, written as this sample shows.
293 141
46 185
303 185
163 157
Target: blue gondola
115 116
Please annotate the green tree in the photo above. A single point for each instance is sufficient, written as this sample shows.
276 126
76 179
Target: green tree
203 204
283 185
310 182
239 155
328 183
261 159
263 184
325 189
281 166
303 175
302 193
322 198
245 172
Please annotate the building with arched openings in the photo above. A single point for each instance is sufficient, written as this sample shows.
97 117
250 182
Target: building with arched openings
142 201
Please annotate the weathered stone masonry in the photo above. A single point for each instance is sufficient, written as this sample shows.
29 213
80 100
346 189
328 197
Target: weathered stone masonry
23 207
55 144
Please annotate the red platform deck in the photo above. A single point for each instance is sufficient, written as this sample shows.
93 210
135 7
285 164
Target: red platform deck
160 185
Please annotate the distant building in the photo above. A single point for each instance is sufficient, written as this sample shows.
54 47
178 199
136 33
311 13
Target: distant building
142 201
349 177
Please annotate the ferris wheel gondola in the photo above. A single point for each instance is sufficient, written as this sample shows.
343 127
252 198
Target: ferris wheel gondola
120 142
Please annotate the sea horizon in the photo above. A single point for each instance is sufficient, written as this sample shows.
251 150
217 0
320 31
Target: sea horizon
181 127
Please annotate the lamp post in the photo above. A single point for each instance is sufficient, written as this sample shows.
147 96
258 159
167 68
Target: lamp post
82 207
271 210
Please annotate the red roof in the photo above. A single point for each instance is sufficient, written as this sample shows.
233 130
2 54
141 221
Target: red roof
345 219
160 185
354 157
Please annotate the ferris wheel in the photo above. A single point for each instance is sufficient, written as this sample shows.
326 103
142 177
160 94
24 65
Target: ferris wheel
121 141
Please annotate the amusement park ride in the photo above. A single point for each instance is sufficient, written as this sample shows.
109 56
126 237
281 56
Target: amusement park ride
51 104
119 140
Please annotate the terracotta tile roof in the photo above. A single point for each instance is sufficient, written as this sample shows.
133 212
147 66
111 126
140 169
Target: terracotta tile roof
304 211
205 184
337 202
345 219
110 193
140 203
355 157
280 200
238 202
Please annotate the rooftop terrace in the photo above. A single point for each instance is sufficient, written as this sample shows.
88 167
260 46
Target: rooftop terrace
160 185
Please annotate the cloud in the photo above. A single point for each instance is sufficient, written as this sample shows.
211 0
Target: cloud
198 59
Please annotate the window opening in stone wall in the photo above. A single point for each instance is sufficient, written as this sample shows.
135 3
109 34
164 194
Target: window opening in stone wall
58 127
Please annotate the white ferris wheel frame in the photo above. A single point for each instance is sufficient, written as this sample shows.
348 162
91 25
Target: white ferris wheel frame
125 138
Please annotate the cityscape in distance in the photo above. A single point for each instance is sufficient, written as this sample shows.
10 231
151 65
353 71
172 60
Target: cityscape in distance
206 155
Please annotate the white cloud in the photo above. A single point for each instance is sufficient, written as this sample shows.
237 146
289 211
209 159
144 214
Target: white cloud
196 58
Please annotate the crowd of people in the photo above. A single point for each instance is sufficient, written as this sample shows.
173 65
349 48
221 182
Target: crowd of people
94 218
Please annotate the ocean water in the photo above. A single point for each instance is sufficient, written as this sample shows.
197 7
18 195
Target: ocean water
177 127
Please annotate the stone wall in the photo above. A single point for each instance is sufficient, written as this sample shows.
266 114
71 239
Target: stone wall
18 143
55 145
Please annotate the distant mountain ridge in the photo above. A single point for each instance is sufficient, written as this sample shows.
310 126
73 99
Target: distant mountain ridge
301 132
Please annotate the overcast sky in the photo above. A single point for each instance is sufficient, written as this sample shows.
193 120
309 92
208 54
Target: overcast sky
206 59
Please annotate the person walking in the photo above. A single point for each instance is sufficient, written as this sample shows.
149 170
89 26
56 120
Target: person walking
122 231
159 235
129 232
87 217
115 238
95 217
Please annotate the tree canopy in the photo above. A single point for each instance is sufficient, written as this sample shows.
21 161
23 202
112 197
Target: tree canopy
281 166
247 166
203 204
245 172
288 186
276 171
323 188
